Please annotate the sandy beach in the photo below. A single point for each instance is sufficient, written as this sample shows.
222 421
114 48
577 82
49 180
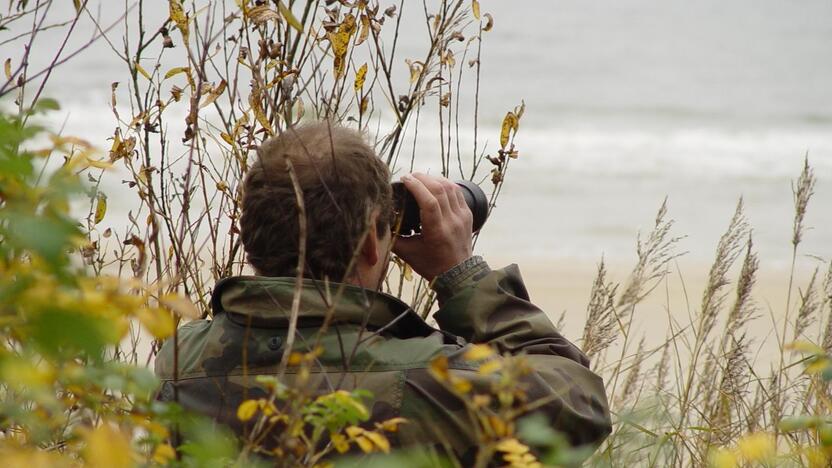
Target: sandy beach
563 286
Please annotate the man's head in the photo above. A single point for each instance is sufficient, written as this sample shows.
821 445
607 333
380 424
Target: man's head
347 199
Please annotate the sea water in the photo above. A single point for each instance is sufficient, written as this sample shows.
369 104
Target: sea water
627 102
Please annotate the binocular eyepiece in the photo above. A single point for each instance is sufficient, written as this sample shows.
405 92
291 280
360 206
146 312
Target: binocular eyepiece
407 208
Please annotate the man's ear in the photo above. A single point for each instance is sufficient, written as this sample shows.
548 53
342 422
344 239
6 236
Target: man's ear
369 249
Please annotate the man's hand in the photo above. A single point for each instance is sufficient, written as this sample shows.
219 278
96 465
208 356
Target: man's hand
445 240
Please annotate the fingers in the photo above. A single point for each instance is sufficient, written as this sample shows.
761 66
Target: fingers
460 199
430 195
407 247
438 188
441 202
445 239
453 195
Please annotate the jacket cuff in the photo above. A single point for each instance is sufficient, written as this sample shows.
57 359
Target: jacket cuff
452 281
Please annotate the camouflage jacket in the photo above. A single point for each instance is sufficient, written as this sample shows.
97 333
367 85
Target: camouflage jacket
376 342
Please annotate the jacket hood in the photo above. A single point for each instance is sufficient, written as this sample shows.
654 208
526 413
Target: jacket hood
266 302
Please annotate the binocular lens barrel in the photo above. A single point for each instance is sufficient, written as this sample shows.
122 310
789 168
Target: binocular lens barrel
407 208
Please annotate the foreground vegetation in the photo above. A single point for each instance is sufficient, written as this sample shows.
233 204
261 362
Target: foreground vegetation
83 296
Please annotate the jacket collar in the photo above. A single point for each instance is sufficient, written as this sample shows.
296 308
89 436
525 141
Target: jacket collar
266 302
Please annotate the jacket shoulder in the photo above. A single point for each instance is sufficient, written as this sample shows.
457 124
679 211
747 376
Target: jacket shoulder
191 336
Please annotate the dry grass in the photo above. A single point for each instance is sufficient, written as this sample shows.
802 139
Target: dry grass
707 391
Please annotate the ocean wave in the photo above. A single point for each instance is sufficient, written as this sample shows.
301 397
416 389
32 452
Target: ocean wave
696 152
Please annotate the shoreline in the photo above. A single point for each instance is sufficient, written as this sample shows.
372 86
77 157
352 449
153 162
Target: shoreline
563 286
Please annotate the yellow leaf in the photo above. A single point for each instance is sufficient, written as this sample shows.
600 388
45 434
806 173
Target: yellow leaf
489 24
7 67
340 43
177 70
59 140
365 30
415 70
348 25
818 366
163 454
142 71
510 124
439 368
158 322
804 347
176 93
757 447
227 138
121 148
497 425
267 407
723 459
242 121
462 385
339 442
261 14
360 75
295 359
100 207
817 457
220 88
96 163
107 447
490 367
77 5
182 306
25 373
378 440
214 94
391 425
481 401
512 446
259 114
354 431
478 351
177 15
364 443
155 428
475 7
247 410
142 117
289 17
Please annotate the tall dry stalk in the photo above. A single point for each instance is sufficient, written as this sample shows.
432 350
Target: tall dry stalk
727 251
802 191
654 257
826 337
808 308
602 323
743 309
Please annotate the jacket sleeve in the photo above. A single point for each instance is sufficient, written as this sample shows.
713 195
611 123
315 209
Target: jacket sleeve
493 307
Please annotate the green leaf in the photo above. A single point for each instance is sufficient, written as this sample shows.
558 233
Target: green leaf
289 16
46 104
143 383
62 332
48 237
208 445
405 458
796 423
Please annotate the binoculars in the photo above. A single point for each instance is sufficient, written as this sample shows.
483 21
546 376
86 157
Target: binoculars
407 208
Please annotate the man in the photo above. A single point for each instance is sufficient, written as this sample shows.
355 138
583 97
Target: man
369 340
